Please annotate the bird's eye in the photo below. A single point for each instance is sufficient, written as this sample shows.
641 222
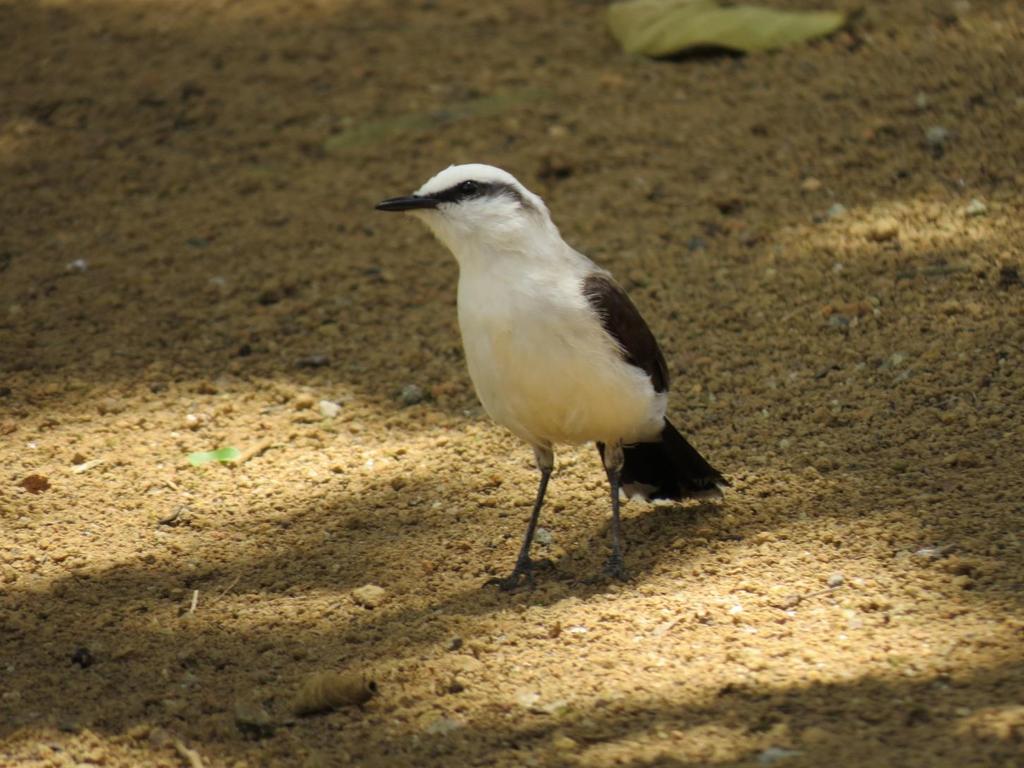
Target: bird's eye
469 187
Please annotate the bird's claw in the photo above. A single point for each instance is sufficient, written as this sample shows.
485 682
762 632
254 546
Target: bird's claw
524 570
510 582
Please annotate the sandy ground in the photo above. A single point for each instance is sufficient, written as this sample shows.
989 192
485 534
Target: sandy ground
827 241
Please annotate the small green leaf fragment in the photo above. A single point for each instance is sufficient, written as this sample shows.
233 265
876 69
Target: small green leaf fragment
394 126
229 453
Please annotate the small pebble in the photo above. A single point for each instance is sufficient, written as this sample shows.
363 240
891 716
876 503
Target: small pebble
836 211
838 321
564 744
886 228
303 400
252 718
836 580
810 184
109 405
936 136
975 208
791 601
542 536
78 265
411 394
774 755
329 409
324 691
35 483
370 596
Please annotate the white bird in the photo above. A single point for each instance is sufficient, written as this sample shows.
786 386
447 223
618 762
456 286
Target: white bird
556 350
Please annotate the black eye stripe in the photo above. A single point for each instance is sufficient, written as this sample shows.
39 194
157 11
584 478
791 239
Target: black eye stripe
470 189
463 191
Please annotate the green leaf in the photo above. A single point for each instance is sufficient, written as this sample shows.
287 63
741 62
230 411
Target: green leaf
665 27
418 122
221 454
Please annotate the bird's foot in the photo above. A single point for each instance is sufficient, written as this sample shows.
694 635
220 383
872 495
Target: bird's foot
523 572
615 568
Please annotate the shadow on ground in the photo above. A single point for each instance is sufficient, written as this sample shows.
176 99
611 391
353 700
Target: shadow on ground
149 654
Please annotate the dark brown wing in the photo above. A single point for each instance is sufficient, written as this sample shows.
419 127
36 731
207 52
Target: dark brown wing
623 322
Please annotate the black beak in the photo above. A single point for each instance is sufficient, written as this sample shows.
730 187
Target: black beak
411 203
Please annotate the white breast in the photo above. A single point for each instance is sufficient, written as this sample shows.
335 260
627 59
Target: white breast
541 362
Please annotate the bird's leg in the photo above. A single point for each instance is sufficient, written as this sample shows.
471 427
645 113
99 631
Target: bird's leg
524 565
613 461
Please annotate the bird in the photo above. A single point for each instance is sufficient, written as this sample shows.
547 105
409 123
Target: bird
557 352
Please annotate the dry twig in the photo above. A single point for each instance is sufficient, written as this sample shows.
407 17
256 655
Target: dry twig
190 756
257 450
226 589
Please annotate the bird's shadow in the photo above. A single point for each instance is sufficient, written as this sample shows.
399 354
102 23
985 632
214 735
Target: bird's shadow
648 532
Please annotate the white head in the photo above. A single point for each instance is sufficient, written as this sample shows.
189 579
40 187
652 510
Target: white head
476 209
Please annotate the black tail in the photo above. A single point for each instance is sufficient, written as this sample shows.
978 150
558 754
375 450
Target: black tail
668 469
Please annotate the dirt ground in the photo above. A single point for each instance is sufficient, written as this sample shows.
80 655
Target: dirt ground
827 241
